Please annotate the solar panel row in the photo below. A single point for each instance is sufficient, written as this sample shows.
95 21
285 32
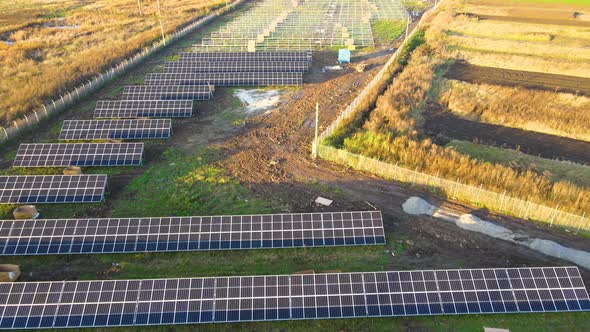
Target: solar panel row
225 79
78 236
246 56
144 109
159 92
178 67
78 154
52 189
290 297
116 129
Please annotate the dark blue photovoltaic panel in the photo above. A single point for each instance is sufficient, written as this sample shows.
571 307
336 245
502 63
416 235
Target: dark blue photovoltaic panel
179 67
78 154
143 109
225 79
167 92
246 56
82 236
77 304
116 129
41 189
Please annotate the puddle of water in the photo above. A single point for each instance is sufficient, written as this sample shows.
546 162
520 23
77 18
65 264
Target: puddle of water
256 100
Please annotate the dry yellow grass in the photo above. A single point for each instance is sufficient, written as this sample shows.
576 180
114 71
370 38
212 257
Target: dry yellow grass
527 63
391 135
560 114
56 44
519 46
553 35
539 10
524 48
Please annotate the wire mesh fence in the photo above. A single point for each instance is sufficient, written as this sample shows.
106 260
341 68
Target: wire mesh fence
499 202
79 92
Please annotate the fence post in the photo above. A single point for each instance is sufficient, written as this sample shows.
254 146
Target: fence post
554 215
526 212
580 223
478 192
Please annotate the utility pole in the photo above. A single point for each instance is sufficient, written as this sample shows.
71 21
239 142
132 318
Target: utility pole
316 142
160 20
139 7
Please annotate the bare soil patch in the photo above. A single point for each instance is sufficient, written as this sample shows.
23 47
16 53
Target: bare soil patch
532 80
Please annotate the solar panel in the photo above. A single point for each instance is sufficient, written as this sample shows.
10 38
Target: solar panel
161 92
78 154
100 303
236 67
225 79
143 109
116 129
81 236
52 188
247 56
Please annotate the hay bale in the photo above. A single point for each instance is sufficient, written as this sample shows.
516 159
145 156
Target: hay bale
72 170
9 272
25 212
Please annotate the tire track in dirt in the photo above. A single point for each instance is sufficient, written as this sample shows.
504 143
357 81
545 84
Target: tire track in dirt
532 80
445 124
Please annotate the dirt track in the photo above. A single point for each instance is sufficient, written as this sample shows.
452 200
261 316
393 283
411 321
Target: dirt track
489 75
532 20
446 125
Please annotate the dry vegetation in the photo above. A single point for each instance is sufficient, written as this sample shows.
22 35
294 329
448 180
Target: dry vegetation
560 114
391 134
391 130
47 47
520 46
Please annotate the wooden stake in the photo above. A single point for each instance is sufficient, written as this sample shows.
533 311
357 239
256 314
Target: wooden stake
316 143
160 21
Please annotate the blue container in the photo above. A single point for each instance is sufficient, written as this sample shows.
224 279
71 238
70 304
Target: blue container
344 56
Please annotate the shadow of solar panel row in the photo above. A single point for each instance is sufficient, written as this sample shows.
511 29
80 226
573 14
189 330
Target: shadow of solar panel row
76 304
144 109
225 79
78 154
159 92
116 129
247 56
52 189
236 67
81 236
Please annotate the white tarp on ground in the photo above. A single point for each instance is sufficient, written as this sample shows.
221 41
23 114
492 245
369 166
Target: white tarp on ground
256 100
418 206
